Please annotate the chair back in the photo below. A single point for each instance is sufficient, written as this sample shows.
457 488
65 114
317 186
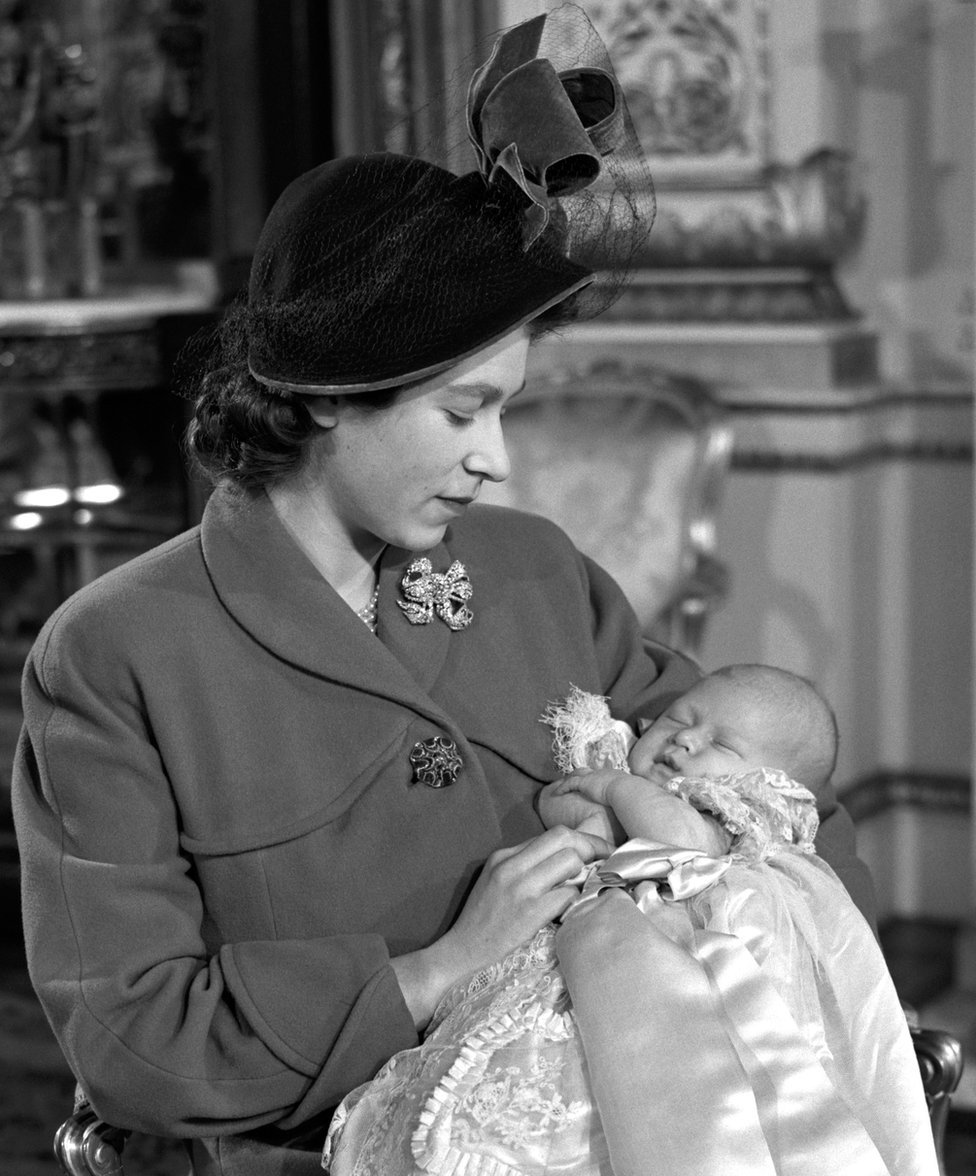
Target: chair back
629 461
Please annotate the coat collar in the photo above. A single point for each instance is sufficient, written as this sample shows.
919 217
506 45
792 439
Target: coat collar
271 588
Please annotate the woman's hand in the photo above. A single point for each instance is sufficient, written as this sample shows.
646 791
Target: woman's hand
519 890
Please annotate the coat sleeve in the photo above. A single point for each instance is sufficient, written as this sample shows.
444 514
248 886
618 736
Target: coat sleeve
165 1036
835 843
641 677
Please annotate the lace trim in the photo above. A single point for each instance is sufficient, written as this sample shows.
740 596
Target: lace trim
585 734
431 1141
764 810
538 955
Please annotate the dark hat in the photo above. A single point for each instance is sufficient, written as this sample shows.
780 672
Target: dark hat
378 270
401 270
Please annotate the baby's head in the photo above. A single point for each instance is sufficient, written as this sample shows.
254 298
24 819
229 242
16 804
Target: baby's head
740 718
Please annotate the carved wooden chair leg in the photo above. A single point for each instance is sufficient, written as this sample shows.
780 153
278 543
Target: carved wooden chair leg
85 1145
940 1061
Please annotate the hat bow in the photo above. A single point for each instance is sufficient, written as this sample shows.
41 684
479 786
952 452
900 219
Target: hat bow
545 130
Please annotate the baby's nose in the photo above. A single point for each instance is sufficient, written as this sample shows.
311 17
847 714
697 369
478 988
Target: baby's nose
683 739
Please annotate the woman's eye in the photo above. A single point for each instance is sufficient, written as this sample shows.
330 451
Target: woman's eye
458 420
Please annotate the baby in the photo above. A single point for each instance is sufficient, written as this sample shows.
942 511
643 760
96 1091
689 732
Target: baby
695 1014
738 719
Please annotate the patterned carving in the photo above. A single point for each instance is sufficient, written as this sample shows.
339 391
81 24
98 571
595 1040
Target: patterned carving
85 361
693 72
697 78
813 297
804 214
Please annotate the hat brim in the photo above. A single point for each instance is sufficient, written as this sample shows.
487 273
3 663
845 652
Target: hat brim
416 375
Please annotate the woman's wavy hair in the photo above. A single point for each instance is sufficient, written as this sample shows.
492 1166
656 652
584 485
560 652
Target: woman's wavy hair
245 435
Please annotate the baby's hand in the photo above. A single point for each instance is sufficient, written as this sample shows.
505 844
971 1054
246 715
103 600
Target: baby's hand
596 785
643 808
576 811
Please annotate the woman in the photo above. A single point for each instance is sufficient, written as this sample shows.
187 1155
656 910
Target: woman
260 840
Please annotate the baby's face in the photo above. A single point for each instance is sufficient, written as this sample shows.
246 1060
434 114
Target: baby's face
717 728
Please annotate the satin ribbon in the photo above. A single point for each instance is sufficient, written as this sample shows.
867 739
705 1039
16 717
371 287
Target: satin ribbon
684 872
697 1064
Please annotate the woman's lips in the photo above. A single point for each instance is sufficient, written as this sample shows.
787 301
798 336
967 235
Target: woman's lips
457 505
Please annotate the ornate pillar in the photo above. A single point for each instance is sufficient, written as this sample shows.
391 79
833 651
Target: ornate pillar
747 238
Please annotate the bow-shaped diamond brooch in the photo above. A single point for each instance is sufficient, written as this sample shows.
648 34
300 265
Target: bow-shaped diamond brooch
445 593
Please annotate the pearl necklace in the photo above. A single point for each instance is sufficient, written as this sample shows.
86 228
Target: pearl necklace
367 614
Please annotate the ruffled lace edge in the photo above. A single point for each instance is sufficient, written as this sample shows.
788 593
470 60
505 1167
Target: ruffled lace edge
764 810
585 734
431 1143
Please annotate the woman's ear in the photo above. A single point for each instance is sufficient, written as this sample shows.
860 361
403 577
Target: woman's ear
324 410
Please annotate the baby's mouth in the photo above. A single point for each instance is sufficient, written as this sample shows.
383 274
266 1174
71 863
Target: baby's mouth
663 768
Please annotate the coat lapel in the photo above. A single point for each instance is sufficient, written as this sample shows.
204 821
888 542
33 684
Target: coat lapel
271 588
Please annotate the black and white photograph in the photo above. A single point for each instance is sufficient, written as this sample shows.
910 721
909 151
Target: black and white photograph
486 587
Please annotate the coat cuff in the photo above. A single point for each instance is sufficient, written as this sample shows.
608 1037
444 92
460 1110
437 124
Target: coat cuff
344 1015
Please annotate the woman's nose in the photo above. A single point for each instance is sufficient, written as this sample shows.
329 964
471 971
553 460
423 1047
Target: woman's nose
489 458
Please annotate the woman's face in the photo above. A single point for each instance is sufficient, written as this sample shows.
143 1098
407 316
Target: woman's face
402 474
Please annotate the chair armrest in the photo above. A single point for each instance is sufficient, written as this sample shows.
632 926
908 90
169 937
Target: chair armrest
940 1062
681 622
85 1145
